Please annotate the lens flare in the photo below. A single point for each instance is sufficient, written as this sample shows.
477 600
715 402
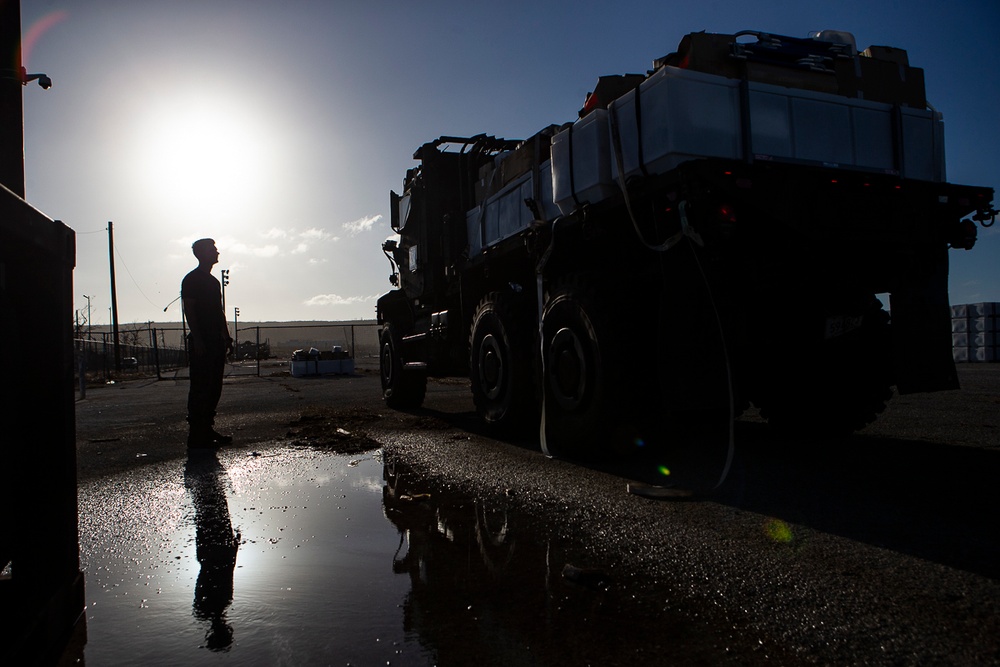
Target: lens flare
664 470
35 32
778 530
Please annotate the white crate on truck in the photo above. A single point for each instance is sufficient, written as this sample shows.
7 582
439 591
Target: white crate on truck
792 124
684 115
687 115
506 214
581 163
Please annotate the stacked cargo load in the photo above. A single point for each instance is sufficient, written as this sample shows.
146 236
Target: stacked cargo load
975 335
814 101
505 184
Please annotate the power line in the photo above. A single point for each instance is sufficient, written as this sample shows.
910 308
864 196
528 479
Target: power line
118 252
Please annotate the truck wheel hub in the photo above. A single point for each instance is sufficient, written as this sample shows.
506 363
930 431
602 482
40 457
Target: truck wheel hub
387 363
491 367
568 369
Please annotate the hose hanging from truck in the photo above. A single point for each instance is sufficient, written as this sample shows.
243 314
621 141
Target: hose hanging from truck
686 232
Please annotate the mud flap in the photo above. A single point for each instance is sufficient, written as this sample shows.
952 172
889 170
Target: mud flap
921 329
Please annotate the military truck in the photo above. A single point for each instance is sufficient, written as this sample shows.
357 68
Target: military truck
706 236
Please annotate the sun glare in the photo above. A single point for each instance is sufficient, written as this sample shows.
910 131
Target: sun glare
202 157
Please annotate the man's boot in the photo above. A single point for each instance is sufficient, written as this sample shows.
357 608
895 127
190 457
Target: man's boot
219 438
201 436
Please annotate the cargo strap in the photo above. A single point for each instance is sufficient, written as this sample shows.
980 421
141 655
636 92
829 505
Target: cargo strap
731 448
541 338
540 299
686 229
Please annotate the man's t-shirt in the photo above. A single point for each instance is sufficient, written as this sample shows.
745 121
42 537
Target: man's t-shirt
202 296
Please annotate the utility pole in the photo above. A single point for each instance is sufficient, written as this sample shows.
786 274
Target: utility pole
11 102
85 362
88 315
236 333
114 297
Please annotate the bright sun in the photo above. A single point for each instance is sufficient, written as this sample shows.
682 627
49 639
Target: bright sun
202 157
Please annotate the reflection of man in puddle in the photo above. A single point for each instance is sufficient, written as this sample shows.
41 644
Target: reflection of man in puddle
216 547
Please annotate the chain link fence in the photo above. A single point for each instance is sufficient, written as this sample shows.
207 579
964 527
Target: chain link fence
258 350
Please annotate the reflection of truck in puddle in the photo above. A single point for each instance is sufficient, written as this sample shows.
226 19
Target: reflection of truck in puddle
707 236
487 591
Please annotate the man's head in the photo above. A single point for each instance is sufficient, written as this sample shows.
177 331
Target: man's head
205 251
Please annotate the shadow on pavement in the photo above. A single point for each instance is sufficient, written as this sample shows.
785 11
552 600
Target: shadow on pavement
930 500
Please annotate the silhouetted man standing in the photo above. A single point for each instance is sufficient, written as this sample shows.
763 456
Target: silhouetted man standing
208 344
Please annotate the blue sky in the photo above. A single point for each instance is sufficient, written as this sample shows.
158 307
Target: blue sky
279 128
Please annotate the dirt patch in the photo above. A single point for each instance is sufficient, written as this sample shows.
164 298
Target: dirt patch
343 431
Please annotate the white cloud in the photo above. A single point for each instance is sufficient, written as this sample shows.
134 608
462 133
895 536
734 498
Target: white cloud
316 234
300 248
265 251
336 300
274 233
355 227
317 260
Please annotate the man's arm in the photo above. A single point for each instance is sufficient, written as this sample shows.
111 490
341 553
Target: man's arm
191 312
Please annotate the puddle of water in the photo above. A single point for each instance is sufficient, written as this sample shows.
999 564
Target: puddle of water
303 557
278 560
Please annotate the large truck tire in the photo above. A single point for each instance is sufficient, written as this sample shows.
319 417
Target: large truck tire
586 395
500 368
849 380
401 389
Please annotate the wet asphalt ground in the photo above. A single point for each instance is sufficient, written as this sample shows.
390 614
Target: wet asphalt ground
880 548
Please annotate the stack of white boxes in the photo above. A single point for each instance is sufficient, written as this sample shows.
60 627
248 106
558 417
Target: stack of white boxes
974 332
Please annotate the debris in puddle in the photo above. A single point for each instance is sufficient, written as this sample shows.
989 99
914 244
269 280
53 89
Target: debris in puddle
414 497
